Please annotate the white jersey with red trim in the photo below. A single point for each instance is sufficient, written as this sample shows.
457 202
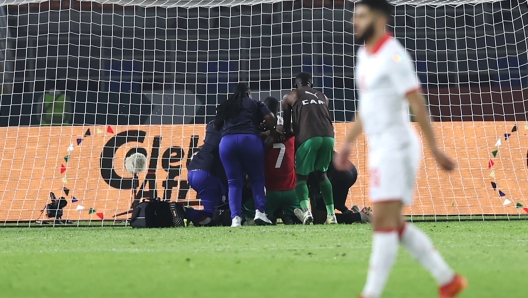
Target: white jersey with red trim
384 76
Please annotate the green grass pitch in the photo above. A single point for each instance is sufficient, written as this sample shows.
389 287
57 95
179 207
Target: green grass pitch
281 261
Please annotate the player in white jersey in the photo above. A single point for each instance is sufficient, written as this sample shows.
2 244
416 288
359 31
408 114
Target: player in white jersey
387 86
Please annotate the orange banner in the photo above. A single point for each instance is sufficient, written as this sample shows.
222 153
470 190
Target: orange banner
89 167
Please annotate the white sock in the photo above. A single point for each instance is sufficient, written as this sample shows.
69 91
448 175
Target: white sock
421 248
384 253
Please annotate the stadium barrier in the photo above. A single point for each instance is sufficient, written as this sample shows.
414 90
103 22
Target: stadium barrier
86 165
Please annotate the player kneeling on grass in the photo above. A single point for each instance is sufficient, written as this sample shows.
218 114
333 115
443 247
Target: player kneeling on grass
388 84
341 181
279 170
207 177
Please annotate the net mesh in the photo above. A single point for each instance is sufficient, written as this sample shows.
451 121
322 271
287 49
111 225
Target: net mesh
86 84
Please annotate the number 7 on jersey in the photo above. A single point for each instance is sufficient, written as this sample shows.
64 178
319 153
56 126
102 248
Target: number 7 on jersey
282 148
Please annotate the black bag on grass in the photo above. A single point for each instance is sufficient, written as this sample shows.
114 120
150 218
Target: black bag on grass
222 216
156 214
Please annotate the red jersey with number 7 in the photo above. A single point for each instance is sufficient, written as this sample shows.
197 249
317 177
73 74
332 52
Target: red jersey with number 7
280 166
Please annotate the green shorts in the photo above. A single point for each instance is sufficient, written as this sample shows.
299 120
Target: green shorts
315 154
285 201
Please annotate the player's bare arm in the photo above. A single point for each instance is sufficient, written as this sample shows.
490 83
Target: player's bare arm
287 102
272 123
271 120
417 103
341 161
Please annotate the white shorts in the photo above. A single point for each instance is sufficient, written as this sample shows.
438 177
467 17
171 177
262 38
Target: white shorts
393 174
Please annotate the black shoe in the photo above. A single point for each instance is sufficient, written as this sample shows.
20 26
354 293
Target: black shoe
178 214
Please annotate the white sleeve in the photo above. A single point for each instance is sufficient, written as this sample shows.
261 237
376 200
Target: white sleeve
402 73
280 120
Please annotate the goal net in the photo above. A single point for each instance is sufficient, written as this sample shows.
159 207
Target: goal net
86 84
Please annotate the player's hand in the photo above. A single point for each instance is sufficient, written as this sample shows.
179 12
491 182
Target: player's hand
444 161
341 162
263 126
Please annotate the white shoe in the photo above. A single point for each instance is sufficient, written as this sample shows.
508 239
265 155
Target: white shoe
331 220
304 216
236 222
366 215
261 219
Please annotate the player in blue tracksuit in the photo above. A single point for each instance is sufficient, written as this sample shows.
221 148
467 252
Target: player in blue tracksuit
207 177
242 150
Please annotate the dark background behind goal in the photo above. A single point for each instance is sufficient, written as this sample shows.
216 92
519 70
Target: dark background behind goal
129 65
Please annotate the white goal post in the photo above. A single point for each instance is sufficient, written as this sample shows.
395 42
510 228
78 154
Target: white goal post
86 84
233 3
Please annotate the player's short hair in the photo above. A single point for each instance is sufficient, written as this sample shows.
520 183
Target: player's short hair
382 6
272 103
305 78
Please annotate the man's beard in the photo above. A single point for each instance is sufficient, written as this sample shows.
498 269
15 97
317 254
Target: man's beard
367 34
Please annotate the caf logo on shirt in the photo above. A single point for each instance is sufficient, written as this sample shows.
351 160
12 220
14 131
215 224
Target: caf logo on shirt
313 101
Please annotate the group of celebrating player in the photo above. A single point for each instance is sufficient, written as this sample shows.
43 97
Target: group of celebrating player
246 154
300 151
